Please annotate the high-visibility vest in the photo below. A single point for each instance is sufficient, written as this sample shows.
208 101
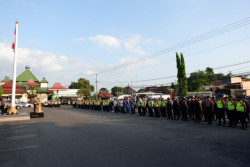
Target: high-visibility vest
219 104
143 104
139 104
230 105
240 107
156 104
149 103
163 103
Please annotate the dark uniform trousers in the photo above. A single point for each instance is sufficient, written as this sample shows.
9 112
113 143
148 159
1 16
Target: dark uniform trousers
139 110
210 114
150 112
230 116
156 110
163 112
221 115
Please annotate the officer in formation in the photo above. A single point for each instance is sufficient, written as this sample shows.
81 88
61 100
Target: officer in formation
208 110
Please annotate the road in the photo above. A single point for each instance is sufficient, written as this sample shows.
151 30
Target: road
74 137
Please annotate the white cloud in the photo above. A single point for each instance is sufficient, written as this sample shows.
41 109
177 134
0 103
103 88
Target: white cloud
132 45
81 39
159 41
147 41
105 40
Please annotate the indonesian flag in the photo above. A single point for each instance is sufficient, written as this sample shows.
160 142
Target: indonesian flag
14 41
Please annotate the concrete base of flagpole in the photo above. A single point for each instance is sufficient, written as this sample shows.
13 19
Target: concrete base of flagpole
12 110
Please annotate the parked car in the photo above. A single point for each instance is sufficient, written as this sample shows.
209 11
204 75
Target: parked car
45 104
25 104
18 105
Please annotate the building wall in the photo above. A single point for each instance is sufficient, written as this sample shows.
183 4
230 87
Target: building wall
24 97
230 80
235 79
19 97
44 85
42 97
246 85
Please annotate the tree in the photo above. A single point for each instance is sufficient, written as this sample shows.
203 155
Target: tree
84 87
1 91
172 85
93 97
181 75
117 91
166 91
103 90
32 91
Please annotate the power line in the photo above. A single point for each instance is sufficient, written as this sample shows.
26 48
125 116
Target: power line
153 79
202 51
197 39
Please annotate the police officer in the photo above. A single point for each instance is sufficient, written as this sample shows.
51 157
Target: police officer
204 108
176 109
150 108
240 110
210 110
163 106
184 109
139 106
169 109
143 107
221 110
230 111
247 109
156 105
198 110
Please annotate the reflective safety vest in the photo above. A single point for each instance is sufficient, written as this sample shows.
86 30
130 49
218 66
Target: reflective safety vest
163 104
156 104
143 104
219 104
73 102
149 104
139 104
230 105
240 107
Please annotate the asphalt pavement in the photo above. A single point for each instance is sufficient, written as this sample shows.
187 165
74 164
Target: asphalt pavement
69 137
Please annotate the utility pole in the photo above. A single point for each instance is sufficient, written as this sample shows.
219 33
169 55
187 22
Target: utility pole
96 81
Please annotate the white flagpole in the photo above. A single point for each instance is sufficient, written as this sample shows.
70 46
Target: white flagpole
13 98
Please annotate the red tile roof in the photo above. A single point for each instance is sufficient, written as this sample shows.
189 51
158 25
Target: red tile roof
32 83
7 88
105 95
58 86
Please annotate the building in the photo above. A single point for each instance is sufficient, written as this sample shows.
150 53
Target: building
233 83
105 95
21 94
28 82
64 94
129 90
6 79
160 89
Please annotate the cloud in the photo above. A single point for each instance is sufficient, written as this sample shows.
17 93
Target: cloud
159 41
105 40
81 39
132 45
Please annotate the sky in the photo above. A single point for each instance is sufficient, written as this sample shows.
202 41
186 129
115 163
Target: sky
118 39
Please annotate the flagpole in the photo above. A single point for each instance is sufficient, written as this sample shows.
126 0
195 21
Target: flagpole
13 98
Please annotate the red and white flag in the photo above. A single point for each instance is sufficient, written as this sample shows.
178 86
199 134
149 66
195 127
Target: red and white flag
14 41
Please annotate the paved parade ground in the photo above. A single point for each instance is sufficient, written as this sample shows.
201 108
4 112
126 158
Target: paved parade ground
74 137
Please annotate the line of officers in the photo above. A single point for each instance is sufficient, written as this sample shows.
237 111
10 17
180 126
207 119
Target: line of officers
208 109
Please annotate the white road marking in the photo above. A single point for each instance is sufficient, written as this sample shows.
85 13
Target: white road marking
20 148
